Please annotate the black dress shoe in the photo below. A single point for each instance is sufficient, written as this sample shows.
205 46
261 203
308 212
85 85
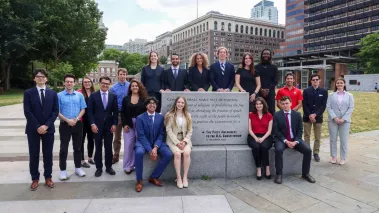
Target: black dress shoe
110 171
98 172
308 178
91 162
317 158
278 179
268 176
259 177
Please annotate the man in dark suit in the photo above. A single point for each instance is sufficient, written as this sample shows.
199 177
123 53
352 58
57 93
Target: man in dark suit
288 132
222 72
41 110
314 105
102 115
151 138
176 79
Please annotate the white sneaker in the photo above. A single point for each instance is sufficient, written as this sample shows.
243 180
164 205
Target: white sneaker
63 175
79 172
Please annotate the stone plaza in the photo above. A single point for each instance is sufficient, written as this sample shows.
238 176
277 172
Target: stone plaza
353 187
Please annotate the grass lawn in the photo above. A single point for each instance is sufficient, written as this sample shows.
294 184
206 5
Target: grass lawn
14 96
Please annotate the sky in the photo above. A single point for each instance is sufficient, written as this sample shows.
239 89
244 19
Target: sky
146 19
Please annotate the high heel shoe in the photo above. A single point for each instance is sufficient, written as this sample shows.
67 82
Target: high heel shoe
179 184
185 183
268 176
259 177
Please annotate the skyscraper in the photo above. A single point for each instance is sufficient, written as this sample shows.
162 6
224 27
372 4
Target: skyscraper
265 10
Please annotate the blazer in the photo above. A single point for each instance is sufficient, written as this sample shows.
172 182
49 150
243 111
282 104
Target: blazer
36 115
343 110
152 80
143 132
218 80
314 103
198 80
102 118
280 127
173 130
127 112
180 83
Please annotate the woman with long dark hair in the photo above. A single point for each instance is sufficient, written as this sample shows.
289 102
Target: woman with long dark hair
132 106
87 89
198 73
152 77
248 79
178 124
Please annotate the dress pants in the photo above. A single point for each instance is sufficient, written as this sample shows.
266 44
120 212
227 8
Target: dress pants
302 147
343 131
106 135
165 157
117 137
158 96
129 144
34 142
65 133
317 132
270 99
90 141
260 150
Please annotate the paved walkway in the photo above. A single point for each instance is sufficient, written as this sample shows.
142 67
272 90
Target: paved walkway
353 187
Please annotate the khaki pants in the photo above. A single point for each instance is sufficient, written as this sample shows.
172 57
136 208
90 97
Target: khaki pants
117 138
317 132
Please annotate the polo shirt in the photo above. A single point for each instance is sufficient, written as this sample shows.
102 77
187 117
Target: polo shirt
260 126
70 105
294 94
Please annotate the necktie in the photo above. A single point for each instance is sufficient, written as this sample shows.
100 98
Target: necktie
223 68
175 73
42 97
151 124
288 133
105 102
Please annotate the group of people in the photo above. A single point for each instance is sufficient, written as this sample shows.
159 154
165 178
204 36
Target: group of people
132 109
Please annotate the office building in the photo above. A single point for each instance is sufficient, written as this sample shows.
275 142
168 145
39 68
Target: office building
115 46
266 11
135 46
237 34
162 44
104 68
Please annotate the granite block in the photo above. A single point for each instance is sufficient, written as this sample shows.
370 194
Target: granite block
292 162
239 161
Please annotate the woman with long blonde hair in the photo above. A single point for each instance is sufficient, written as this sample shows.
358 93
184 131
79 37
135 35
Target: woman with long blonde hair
198 75
178 124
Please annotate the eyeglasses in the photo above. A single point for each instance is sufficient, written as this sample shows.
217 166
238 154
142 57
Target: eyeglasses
70 82
40 76
105 84
315 79
86 82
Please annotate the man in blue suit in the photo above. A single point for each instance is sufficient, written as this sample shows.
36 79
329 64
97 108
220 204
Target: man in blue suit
151 139
103 115
41 110
222 72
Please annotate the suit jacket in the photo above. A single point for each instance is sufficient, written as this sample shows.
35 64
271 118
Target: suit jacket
143 132
36 115
343 110
103 118
173 130
152 80
314 103
218 80
280 127
198 80
180 83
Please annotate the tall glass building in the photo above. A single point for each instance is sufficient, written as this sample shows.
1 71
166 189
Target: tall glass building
265 10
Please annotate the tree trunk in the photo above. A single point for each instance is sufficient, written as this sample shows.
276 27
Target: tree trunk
7 80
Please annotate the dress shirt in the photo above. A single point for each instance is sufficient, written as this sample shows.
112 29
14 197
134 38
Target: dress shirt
340 96
152 115
70 105
222 63
120 90
175 68
289 122
39 91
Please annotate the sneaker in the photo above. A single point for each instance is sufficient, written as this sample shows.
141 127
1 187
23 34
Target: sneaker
79 172
63 176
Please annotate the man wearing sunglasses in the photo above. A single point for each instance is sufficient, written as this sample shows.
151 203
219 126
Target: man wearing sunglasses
314 105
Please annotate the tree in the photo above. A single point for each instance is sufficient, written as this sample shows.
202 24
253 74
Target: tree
57 73
111 54
369 53
163 60
133 63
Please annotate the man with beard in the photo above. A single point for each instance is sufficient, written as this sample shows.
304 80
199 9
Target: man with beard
269 80
291 91
176 79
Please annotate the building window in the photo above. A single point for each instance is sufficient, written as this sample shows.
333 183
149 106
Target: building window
222 26
282 34
191 32
108 70
207 26
260 31
197 30
256 31
241 28
203 27
251 30
215 26
229 27
102 70
353 82
265 32
247 30
269 33
274 33
236 28
278 34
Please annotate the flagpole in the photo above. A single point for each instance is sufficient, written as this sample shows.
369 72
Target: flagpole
197 8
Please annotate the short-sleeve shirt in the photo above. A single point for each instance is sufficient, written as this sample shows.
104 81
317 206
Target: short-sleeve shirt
260 126
294 94
70 105
247 80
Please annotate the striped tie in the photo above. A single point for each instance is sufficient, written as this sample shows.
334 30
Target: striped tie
223 68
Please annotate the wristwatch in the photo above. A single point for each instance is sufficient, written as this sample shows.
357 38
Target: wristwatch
77 119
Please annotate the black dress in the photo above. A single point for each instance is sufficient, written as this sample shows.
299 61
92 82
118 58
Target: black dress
130 111
248 83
